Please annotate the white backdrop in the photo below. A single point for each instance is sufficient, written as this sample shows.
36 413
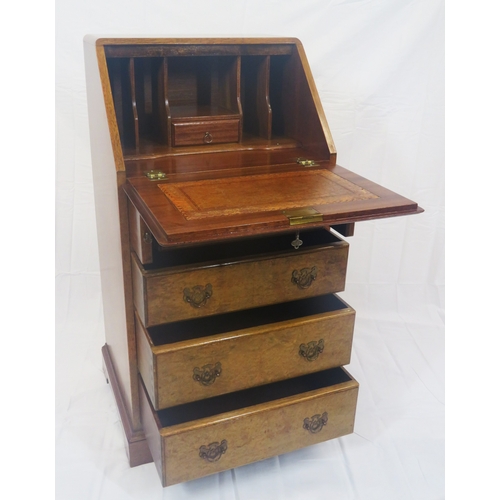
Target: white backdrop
378 66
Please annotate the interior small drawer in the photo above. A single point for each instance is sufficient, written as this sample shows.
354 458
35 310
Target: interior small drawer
247 274
205 132
200 358
204 437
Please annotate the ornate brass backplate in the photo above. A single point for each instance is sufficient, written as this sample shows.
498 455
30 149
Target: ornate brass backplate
206 375
213 451
198 295
312 350
304 277
315 423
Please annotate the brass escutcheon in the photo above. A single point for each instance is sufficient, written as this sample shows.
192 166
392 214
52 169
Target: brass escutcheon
207 374
312 350
304 277
315 423
198 295
297 242
213 451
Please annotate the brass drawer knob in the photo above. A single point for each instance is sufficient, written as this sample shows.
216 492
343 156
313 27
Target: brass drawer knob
304 278
315 423
207 374
312 350
213 451
198 295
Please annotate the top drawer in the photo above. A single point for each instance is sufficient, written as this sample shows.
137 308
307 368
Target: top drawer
201 281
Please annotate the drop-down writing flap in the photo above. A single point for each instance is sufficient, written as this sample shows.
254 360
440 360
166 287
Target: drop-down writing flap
243 202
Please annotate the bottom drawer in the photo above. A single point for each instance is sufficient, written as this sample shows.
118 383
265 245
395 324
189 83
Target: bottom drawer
204 437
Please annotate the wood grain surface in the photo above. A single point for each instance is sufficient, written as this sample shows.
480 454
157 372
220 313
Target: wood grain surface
159 295
248 356
205 132
141 238
251 432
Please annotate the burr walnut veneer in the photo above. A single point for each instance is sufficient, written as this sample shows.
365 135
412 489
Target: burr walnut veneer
221 218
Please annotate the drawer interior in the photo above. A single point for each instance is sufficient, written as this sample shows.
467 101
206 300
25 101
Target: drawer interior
239 248
240 320
250 397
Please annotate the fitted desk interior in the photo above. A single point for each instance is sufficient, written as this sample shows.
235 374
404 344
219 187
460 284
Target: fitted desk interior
222 220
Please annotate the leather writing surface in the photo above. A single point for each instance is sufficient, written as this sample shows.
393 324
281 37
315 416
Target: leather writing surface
214 205
261 193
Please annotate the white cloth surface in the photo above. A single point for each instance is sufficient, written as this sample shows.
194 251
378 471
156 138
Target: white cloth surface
378 66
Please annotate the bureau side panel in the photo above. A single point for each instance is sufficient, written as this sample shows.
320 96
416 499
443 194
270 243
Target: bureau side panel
112 233
303 113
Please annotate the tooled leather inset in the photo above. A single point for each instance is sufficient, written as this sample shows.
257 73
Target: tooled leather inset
236 195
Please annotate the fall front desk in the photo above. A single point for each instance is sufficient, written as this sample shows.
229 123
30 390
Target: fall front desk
222 217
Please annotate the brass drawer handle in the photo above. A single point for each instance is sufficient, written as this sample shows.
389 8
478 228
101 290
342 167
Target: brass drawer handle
198 295
315 423
207 374
213 451
304 278
207 139
312 350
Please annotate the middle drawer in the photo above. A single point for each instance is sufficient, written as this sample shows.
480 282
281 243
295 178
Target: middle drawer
196 282
200 358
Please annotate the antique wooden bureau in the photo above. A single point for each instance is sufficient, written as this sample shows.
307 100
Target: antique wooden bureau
221 217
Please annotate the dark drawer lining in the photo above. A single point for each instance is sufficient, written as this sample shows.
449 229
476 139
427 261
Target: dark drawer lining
240 320
249 397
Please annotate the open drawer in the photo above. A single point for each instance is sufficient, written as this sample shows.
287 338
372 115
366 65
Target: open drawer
195 281
197 359
204 437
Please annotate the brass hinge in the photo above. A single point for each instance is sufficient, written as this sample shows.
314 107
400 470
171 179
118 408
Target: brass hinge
306 163
298 216
156 175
